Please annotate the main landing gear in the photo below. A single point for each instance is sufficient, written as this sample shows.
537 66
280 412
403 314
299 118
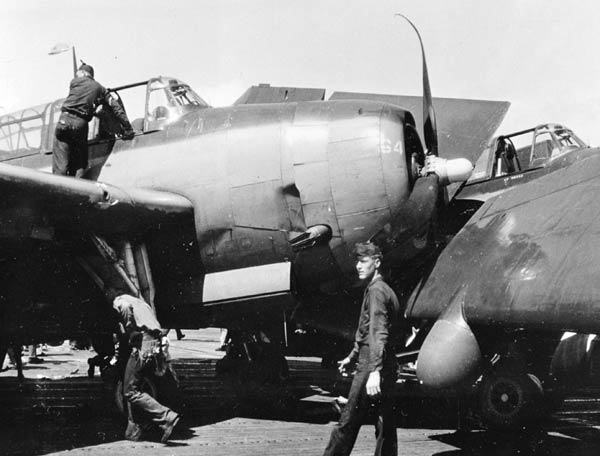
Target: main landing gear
509 399
252 357
256 369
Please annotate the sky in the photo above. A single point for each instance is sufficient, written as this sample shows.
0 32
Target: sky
540 55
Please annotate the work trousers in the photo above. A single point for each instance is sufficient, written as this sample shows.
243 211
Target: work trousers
70 148
359 403
149 408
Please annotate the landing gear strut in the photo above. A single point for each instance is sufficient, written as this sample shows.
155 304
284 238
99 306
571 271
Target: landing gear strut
252 357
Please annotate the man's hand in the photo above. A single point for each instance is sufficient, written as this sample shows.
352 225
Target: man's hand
128 134
373 384
343 365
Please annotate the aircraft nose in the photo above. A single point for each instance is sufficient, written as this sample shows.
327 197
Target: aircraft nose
450 355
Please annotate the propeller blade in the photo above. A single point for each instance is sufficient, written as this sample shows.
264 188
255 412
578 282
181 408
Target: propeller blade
429 124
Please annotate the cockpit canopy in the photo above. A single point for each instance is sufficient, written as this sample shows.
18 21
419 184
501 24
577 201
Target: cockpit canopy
26 133
150 105
157 102
525 150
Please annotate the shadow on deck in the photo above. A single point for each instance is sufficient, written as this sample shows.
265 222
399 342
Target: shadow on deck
46 415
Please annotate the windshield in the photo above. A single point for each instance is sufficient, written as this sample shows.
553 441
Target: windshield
566 138
175 93
168 99
183 95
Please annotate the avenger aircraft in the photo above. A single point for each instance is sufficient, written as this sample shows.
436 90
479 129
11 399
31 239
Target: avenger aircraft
245 217
519 273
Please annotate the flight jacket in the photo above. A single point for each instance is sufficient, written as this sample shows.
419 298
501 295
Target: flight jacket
85 94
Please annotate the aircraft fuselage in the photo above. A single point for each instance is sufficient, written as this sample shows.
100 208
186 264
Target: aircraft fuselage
260 174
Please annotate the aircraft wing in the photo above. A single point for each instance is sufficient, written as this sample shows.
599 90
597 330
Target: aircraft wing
35 204
465 126
264 93
527 258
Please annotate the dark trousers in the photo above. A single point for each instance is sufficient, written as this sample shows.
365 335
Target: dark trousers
70 148
359 403
145 406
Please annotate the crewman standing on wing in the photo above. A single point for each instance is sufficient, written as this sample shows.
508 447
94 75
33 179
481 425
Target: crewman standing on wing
378 331
70 148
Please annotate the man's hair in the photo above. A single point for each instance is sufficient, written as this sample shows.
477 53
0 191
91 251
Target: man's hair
135 339
367 249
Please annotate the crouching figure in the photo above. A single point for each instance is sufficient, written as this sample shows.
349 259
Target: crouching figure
144 411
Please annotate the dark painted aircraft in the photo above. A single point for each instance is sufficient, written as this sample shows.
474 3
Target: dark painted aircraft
210 212
519 274
245 217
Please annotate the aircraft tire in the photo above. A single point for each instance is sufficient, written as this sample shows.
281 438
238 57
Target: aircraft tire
510 400
148 387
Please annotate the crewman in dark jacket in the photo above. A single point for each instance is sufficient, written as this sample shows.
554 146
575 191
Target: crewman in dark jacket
141 404
70 149
379 329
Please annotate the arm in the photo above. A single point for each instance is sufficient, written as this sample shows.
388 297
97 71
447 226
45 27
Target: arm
115 106
344 364
378 329
120 342
378 338
353 356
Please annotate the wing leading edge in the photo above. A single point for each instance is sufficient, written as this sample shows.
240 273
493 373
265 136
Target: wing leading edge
35 204
527 258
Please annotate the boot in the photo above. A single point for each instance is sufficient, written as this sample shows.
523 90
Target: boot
168 427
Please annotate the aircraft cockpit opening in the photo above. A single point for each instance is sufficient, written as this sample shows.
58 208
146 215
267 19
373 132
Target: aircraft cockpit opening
158 102
525 150
27 136
552 141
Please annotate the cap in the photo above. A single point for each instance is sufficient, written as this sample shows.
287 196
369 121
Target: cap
367 249
88 68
